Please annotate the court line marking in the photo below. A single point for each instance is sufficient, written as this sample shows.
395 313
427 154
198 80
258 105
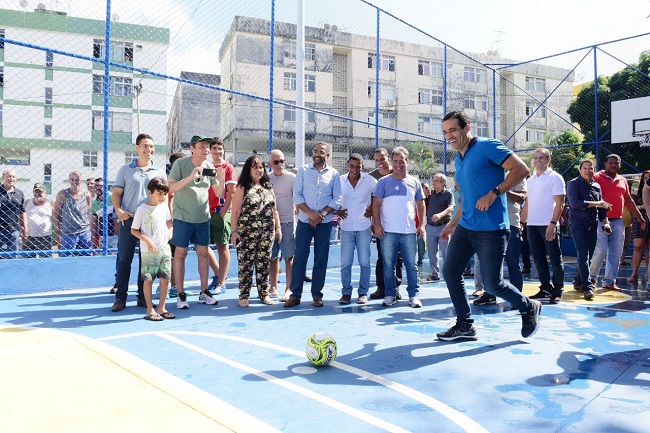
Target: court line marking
460 419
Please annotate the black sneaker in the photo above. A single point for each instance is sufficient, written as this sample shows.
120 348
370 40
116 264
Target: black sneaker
485 300
530 320
541 295
345 299
556 298
589 294
378 294
397 295
457 333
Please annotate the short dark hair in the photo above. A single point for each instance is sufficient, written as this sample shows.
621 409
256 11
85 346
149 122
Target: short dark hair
462 118
99 179
381 150
142 137
158 184
355 157
174 156
216 141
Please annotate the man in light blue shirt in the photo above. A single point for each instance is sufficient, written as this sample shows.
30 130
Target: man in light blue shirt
317 195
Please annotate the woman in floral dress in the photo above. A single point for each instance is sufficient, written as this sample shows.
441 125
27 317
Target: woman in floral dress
255 224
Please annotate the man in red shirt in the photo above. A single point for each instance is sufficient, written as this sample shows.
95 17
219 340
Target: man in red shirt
616 192
220 220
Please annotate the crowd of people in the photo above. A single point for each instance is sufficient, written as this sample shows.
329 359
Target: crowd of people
271 213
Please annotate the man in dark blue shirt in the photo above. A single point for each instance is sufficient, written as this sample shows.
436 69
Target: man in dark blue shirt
586 208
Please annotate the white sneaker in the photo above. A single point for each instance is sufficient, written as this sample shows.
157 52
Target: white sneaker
415 302
206 298
388 301
181 301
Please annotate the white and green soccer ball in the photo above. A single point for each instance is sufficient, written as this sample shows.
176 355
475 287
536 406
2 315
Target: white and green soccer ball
321 349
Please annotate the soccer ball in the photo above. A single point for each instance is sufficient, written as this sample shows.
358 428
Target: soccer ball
321 349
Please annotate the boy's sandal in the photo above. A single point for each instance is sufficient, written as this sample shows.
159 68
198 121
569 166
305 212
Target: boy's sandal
154 317
168 315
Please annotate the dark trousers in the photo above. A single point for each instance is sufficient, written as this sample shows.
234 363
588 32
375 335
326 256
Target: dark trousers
125 251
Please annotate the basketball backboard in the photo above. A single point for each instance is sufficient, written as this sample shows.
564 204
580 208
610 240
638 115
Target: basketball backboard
630 119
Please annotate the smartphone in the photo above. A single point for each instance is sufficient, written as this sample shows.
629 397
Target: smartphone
237 242
209 172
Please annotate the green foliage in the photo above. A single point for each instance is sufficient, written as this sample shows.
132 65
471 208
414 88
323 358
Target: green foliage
422 158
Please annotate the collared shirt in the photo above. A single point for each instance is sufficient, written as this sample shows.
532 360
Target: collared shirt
317 189
540 199
133 180
438 202
356 200
614 192
579 192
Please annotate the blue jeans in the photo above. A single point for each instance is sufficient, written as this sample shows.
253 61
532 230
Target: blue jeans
435 243
351 240
126 244
512 258
610 245
406 243
490 246
584 239
76 241
539 246
321 236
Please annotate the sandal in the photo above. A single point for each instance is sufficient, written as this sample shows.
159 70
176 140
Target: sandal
267 300
632 279
168 315
154 317
243 302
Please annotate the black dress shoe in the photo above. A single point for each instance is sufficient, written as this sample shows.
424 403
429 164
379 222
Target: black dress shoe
378 294
119 305
143 303
307 279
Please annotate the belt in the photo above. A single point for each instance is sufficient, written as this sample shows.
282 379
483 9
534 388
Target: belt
440 223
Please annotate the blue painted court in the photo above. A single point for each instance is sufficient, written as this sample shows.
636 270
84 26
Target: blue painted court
70 364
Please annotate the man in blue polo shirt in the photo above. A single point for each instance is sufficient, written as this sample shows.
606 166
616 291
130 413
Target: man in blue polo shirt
481 224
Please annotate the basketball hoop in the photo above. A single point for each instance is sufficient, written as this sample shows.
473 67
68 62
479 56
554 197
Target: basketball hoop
644 138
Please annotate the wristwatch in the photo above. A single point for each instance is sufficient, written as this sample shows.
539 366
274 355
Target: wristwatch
496 191
554 222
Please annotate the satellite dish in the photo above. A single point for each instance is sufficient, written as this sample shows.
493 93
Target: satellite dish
23 3
41 6
116 17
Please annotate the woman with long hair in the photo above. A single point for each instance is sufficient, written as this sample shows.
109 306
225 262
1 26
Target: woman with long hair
641 238
255 224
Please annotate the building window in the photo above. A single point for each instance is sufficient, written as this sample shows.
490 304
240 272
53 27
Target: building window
475 103
98 84
531 106
432 69
386 91
49 60
2 42
387 119
47 172
481 129
310 83
48 131
2 76
14 156
130 156
122 86
48 96
475 75
310 52
289 114
90 158
290 49
426 125
387 62
120 51
289 81
117 122
535 135
534 84
430 96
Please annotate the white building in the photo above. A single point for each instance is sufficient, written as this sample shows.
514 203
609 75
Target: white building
51 105
340 79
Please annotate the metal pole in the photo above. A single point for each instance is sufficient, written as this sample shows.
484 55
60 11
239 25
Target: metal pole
444 107
377 60
107 95
300 84
596 120
271 72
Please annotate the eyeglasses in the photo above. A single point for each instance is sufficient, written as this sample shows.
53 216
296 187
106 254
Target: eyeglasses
278 162
319 152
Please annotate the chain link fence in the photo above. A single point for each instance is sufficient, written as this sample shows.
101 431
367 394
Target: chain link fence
76 89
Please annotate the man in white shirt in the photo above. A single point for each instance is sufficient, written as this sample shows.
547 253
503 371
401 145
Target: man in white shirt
541 212
356 190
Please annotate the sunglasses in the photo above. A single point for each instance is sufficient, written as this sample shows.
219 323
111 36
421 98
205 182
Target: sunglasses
278 162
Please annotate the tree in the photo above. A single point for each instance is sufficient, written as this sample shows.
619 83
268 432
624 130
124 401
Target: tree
423 160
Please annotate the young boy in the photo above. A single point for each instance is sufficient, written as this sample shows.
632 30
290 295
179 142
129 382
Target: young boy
151 224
